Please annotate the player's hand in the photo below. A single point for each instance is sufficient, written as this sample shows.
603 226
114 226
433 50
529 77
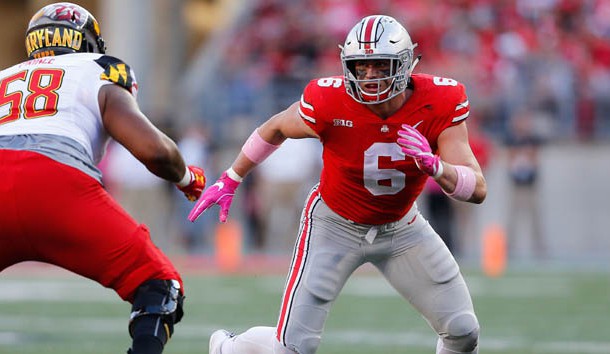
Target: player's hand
415 145
192 191
220 193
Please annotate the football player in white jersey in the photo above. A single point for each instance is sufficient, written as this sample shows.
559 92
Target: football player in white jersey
58 110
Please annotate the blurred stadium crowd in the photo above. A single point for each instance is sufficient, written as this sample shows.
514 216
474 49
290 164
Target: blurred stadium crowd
547 56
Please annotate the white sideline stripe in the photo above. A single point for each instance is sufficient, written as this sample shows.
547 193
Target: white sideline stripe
365 286
408 339
426 340
54 290
29 323
9 338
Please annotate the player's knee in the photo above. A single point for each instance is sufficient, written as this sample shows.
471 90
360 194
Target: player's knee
462 333
305 330
307 343
307 346
279 348
156 308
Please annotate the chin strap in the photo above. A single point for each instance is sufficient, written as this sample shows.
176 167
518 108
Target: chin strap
415 62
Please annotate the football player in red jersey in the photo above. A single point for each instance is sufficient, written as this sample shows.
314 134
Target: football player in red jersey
58 110
384 131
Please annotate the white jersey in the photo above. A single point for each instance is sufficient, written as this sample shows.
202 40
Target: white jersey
56 99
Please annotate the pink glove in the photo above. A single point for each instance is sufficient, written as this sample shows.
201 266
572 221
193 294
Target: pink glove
220 193
193 190
415 145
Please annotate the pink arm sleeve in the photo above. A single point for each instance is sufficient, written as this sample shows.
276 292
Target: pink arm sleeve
465 184
257 149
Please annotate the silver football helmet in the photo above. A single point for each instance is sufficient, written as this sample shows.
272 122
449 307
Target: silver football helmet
378 37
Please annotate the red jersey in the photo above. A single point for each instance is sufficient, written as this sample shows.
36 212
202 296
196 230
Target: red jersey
366 177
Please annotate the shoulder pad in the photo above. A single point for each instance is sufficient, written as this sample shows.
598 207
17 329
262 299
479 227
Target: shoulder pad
117 72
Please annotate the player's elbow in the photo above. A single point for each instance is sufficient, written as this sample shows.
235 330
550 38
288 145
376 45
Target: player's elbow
480 193
161 158
157 153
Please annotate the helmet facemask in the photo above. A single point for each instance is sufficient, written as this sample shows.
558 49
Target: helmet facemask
372 39
395 80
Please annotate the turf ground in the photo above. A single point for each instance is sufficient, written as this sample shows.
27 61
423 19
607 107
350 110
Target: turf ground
523 312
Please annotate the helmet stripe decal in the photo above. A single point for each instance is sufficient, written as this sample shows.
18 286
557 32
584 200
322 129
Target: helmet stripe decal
368 35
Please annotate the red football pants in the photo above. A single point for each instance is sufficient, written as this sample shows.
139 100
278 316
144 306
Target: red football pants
54 213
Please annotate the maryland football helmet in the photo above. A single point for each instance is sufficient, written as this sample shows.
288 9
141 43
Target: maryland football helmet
63 28
378 37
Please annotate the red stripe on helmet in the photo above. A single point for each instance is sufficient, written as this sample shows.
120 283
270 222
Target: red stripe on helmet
369 29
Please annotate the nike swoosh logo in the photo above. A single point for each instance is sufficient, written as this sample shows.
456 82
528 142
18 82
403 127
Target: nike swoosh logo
412 220
418 123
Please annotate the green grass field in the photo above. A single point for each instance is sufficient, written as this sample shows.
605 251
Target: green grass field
521 312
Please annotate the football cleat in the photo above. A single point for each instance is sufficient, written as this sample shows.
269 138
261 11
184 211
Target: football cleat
216 340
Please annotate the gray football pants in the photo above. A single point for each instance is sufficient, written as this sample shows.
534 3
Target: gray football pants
409 254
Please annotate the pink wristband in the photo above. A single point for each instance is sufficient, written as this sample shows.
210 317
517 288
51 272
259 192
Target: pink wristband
257 149
465 184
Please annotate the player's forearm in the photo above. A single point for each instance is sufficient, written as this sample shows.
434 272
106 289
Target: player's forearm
463 183
242 166
254 151
268 137
164 160
170 171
